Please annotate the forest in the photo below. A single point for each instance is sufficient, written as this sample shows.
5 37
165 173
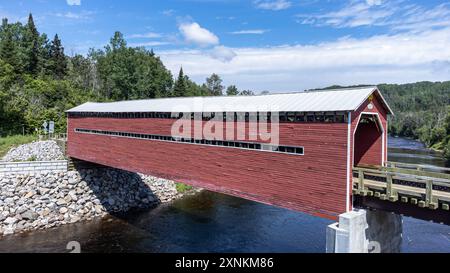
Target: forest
38 82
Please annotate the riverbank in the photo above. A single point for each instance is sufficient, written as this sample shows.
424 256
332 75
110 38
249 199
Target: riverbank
42 201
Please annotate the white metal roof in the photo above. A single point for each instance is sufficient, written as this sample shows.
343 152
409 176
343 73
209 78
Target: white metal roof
309 101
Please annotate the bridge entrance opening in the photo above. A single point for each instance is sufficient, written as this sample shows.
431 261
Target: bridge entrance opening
368 141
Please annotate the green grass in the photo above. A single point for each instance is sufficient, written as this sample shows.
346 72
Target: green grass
182 187
6 143
32 158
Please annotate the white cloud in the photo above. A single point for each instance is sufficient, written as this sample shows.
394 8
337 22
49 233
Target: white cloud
195 34
84 15
168 12
354 14
149 35
420 19
393 14
272 4
395 58
222 53
373 2
73 2
148 44
229 18
250 31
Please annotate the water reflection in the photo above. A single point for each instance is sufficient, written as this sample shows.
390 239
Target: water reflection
386 229
411 151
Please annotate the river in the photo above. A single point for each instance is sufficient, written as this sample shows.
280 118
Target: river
212 222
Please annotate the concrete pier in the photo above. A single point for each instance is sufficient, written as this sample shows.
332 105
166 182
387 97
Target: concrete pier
349 234
362 231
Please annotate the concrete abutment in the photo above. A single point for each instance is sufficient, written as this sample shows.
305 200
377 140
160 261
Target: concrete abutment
365 231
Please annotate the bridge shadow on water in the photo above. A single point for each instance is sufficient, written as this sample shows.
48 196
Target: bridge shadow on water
384 229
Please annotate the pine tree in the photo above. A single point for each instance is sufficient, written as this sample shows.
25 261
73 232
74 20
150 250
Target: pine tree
180 88
57 58
246 93
117 41
232 90
9 47
214 85
32 47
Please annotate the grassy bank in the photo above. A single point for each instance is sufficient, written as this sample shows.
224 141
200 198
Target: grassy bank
6 143
181 188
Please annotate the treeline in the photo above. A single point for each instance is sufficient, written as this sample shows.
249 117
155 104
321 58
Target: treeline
422 111
38 81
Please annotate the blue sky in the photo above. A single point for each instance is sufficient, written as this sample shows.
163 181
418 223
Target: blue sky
276 45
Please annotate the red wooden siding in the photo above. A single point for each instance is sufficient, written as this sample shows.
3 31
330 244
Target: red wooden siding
318 182
314 183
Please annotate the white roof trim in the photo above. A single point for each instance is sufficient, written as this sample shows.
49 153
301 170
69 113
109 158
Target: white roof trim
309 101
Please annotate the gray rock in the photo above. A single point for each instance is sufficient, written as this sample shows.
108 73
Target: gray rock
9 230
111 201
39 150
98 208
29 195
74 218
43 191
30 215
56 198
10 220
45 212
61 202
73 180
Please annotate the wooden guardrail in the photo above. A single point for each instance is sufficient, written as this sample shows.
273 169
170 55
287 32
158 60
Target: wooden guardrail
412 169
395 184
417 169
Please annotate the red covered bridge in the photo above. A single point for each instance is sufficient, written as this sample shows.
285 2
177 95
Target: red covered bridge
320 136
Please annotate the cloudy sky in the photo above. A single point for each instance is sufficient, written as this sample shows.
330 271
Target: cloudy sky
276 45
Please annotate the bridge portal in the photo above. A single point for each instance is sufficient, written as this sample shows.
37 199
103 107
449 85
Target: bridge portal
369 141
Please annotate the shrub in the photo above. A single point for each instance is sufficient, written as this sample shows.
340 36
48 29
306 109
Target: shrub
182 187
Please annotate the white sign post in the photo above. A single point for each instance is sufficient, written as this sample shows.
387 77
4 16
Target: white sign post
51 127
44 125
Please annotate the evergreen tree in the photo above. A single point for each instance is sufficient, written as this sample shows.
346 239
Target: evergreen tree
58 61
117 42
9 48
247 93
180 88
232 90
214 85
32 47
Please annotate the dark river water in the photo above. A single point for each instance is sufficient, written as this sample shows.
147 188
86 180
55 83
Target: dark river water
211 222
